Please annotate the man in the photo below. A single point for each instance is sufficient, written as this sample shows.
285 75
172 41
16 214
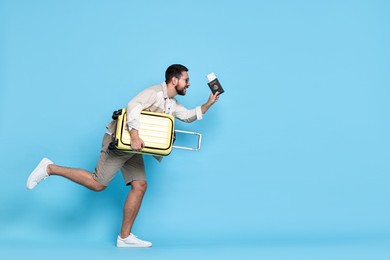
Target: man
158 98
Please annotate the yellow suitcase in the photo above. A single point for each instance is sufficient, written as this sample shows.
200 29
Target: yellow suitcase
156 130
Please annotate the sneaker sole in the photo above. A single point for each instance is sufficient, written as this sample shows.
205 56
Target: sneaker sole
123 245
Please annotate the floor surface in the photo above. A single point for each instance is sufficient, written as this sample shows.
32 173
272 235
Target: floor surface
373 250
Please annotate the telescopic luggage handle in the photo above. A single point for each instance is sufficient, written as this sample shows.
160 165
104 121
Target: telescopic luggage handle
199 135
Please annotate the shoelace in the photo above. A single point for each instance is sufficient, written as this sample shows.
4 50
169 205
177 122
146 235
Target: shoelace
136 238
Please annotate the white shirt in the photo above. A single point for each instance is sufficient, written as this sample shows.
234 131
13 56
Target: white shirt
155 99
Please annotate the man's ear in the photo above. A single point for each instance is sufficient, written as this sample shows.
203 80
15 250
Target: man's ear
174 81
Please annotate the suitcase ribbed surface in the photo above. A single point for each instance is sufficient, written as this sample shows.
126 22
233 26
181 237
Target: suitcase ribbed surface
156 130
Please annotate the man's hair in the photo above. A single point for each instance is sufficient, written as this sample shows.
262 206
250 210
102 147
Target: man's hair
174 70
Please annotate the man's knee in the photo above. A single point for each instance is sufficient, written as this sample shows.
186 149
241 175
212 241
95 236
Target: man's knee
139 185
98 186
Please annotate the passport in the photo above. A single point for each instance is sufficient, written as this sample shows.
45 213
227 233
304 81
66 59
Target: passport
214 84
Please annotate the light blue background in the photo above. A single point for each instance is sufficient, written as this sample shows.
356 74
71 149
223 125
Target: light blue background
295 156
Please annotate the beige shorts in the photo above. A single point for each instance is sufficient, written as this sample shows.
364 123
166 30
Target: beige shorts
111 161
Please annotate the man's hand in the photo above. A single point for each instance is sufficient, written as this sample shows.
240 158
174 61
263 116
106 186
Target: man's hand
212 100
136 142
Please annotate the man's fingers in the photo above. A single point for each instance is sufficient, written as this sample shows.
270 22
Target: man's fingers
216 96
139 147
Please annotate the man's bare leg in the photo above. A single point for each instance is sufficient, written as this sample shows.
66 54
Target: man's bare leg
79 176
132 206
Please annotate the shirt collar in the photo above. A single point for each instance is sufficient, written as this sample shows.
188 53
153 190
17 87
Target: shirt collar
164 89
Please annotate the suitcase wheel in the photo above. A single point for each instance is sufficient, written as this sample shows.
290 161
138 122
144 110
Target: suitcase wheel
116 114
112 145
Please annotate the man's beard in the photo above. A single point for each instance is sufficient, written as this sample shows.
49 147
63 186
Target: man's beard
181 92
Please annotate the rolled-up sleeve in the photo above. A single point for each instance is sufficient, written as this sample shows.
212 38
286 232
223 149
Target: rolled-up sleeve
140 102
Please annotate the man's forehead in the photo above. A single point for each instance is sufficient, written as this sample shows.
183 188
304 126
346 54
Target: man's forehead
184 74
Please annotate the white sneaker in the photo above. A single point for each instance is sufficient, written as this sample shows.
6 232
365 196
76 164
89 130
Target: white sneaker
38 174
132 241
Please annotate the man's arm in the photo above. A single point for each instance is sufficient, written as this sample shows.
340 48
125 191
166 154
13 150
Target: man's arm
212 100
143 100
140 102
189 116
136 142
